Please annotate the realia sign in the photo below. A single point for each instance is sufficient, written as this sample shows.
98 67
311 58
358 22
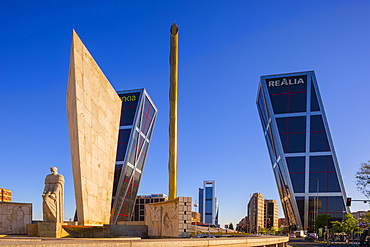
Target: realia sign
287 81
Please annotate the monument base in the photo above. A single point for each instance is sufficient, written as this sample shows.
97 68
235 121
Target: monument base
169 218
50 229
32 230
128 230
86 231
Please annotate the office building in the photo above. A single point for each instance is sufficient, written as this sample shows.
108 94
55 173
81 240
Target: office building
207 203
138 116
139 210
256 213
282 222
244 224
301 149
200 197
5 195
271 214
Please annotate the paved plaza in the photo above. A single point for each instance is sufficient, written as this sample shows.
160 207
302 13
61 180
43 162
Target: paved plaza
137 242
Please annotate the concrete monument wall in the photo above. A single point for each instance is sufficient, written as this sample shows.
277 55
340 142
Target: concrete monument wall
94 109
169 218
14 217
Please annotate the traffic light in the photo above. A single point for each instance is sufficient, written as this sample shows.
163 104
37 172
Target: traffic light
268 224
349 201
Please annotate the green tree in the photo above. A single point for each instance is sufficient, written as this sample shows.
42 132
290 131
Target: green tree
321 221
337 226
363 179
349 223
272 230
263 230
366 219
280 230
358 230
231 226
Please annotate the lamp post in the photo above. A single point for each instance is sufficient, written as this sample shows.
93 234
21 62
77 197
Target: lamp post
317 201
195 220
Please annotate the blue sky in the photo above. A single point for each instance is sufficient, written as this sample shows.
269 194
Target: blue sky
224 48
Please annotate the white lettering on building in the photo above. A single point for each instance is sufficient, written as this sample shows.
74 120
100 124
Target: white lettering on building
285 82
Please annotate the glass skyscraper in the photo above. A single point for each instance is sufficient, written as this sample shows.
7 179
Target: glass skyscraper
138 116
300 147
208 203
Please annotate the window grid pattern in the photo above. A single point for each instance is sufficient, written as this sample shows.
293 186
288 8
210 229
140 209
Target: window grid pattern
289 99
318 138
128 175
323 177
296 167
292 134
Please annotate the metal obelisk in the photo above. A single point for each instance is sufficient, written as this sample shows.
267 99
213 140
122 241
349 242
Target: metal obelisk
172 163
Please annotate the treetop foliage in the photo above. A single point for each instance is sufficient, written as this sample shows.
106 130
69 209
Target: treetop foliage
363 179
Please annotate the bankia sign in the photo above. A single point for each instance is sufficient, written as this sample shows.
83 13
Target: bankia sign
286 81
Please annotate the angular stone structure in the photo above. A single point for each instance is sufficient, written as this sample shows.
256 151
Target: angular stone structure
169 218
14 217
93 108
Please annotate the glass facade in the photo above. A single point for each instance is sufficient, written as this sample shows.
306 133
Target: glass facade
208 208
300 147
138 116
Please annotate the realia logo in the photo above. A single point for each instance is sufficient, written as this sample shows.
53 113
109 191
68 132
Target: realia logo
286 81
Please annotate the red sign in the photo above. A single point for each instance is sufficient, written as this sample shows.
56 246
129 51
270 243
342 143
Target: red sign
363 226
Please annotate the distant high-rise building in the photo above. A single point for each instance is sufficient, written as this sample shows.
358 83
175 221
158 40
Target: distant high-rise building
301 149
271 214
139 210
207 203
201 192
256 213
5 195
138 116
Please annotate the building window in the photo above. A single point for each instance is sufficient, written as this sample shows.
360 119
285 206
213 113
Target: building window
292 134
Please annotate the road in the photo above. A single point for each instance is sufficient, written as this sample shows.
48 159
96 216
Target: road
299 242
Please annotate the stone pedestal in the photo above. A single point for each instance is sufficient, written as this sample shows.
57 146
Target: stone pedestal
169 218
32 230
128 230
53 230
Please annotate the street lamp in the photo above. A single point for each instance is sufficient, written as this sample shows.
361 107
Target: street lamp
196 213
316 209
317 196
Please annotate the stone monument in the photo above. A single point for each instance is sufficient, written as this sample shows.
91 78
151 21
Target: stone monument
52 205
14 217
53 197
94 111
170 218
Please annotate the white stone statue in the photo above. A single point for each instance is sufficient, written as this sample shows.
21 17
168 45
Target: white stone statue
53 196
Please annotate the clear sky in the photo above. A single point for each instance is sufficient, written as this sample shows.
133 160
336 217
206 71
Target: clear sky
224 48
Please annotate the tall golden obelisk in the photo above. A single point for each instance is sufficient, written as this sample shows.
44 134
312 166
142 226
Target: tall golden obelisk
172 163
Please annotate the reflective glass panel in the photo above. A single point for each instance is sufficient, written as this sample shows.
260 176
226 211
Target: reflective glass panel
314 101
